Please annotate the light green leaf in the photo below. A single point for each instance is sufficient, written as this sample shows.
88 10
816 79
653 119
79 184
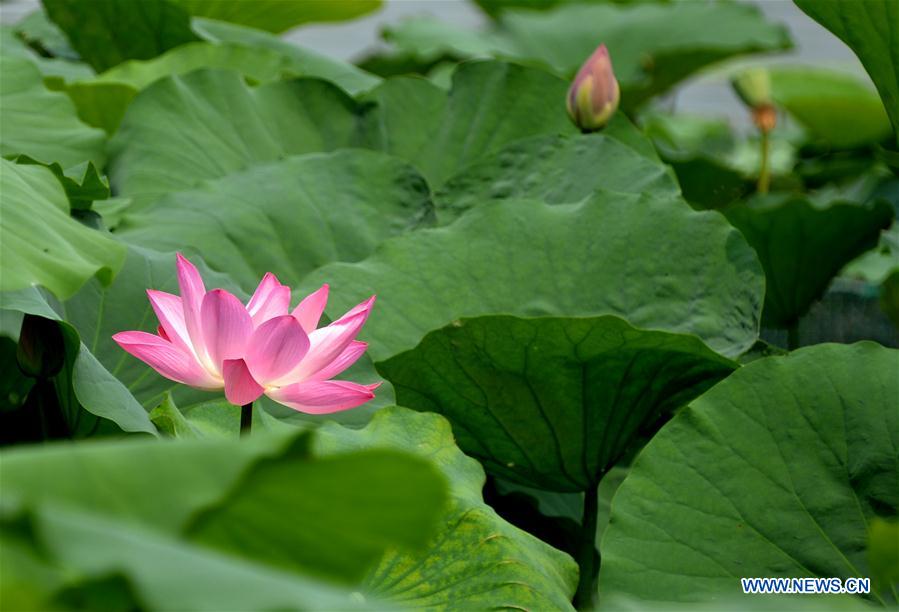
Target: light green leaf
156 570
278 15
83 183
161 148
552 403
51 68
490 105
803 245
41 243
868 27
307 515
303 62
611 254
42 124
556 170
101 101
307 211
108 32
777 471
477 561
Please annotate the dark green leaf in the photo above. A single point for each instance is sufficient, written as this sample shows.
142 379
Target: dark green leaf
802 245
552 403
108 32
777 471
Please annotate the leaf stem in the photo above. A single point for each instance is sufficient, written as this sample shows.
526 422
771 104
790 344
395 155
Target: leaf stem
246 419
587 557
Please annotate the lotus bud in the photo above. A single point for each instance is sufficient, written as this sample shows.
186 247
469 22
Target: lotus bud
753 86
593 96
41 349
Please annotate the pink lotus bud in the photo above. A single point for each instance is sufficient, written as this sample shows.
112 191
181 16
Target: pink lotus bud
593 96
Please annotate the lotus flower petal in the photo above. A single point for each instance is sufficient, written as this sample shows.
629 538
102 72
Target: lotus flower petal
324 396
170 311
327 343
271 299
166 358
190 283
309 311
276 347
226 325
348 357
240 386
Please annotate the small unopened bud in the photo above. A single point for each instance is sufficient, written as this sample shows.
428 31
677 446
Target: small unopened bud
41 349
764 117
593 96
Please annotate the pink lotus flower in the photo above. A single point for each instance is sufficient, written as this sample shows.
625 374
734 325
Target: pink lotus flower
210 340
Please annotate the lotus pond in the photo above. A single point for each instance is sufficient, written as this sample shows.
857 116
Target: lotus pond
480 321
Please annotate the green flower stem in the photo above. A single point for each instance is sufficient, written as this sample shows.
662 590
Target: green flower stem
765 171
587 559
246 419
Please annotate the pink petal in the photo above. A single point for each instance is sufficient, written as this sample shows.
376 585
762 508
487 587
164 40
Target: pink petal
348 357
170 312
271 299
276 347
327 343
192 292
364 307
240 387
226 325
323 397
167 359
309 311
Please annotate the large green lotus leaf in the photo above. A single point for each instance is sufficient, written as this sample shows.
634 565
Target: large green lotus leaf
278 15
477 560
653 45
869 28
836 108
163 145
185 129
84 385
101 101
556 170
552 402
42 124
611 254
803 245
307 211
489 105
41 243
776 471
268 499
301 61
108 32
